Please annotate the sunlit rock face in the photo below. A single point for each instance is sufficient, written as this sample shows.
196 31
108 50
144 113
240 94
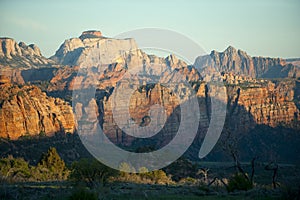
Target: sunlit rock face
28 111
74 51
20 55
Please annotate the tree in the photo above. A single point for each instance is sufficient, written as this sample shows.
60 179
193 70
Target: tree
51 167
15 169
230 145
91 172
240 180
273 167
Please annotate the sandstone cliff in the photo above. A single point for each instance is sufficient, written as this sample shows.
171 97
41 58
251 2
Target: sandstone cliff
250 103
28 111
14 75
16 58
265 103
74 51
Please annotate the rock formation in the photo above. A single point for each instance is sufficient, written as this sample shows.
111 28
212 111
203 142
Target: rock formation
90 34
250 103
294 61
4 80
105 62
21 55
265 102
239 62
73 51
28 111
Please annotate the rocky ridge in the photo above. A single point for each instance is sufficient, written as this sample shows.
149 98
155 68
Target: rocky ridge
239 62
27 111
20 55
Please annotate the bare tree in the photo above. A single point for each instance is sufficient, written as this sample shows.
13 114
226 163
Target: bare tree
273 167
230 145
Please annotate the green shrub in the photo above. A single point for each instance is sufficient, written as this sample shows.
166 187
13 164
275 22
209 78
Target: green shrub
188 181
50 168
91 172
239 182
14 169
143 175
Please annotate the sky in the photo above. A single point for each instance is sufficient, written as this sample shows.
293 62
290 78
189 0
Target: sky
259 27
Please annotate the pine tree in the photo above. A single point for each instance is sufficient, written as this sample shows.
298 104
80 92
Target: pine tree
52 167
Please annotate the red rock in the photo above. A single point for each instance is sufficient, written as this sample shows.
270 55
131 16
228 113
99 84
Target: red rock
29 111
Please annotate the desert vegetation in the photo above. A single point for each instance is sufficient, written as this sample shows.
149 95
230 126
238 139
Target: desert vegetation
87 178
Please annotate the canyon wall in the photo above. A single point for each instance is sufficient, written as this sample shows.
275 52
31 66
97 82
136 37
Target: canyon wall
27 111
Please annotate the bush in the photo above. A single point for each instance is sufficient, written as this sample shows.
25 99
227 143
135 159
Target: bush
126 168
143 175
188 181
91 172
14 169
157 176
239 182
181 168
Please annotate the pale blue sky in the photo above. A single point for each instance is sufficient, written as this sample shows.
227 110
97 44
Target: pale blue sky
260 27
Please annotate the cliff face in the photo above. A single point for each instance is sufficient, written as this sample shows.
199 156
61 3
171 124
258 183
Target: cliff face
139 107
21 55
250 103
29 111
14 75
73 51
266 103
18 57
239 62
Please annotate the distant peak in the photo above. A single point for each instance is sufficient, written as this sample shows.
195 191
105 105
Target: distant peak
213 52
90 34
230 49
